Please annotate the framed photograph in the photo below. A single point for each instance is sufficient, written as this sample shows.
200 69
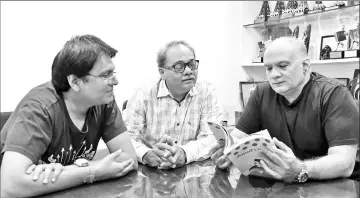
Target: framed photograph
330 41
344 81
246 87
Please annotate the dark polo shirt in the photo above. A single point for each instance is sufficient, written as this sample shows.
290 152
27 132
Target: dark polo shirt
324 115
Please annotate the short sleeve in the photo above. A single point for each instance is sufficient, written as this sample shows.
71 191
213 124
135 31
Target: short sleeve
29 132
249 121
114 124
341 118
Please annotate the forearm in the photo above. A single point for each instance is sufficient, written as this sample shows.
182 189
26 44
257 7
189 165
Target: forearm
125 156
24 186
198 150
140 149
330 166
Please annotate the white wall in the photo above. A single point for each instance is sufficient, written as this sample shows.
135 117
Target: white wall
33 32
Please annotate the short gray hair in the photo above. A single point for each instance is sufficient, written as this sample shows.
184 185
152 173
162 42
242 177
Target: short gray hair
161 55
294 42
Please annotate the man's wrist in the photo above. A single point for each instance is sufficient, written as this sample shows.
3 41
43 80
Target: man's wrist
89 179
143 158
302 174
184 158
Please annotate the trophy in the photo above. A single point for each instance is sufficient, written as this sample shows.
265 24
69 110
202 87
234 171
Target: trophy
336 5
279 8
341 40
353 50
317 7
300 10
261 49
265 10
306 37
354 35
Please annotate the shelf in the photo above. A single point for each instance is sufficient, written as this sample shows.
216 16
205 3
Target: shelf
324 15
315 62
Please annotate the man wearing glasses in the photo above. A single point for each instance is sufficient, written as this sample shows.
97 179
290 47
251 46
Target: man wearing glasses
51 138
168 122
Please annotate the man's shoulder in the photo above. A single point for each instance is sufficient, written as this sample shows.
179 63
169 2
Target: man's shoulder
44 95
325 84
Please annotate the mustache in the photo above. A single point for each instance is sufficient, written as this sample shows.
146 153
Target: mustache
189 78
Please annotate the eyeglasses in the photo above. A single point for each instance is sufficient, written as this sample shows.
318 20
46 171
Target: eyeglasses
179 67
105 77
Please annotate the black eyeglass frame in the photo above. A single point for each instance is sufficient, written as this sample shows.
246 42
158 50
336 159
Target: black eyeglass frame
184 66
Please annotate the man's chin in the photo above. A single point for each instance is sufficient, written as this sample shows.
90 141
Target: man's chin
188 86
280 90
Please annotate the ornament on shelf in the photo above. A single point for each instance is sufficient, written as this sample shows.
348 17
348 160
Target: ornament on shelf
306 37
264 12
336 5
318 7
279 8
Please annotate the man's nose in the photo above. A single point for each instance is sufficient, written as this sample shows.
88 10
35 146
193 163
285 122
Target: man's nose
275 73
187 70
114 81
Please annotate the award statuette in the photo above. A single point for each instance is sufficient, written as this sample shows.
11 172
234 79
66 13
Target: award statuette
353 41
261 44
341 40
264 11
279 8
259 58
317 7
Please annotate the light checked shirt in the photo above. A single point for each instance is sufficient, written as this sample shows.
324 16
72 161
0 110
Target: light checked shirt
155 112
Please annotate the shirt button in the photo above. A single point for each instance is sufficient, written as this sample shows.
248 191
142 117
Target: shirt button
178 124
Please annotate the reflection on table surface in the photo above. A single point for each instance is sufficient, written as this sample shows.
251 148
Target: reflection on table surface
202 179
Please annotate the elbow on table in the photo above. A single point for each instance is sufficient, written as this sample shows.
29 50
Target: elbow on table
348 169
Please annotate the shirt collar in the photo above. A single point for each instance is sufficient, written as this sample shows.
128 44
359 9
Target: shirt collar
164 91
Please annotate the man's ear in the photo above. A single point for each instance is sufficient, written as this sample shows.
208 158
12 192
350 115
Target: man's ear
306 65
162 72
73 82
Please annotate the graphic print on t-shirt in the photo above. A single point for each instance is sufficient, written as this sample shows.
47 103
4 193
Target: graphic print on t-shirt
68 156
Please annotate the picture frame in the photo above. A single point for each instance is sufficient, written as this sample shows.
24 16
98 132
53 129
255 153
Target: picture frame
245 91
327 40
344 81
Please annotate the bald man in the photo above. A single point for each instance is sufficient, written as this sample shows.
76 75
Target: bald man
313 120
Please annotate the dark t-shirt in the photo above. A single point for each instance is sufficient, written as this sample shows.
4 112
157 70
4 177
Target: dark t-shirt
324 115
41 128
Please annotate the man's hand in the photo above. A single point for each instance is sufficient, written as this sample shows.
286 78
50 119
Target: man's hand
158 155
217 154
49 171
176 157
280 163
152 159
108 167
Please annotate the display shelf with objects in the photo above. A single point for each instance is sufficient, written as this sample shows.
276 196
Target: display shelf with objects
323 15
316 62
330 31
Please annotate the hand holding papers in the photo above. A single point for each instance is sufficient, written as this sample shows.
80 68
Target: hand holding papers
245 154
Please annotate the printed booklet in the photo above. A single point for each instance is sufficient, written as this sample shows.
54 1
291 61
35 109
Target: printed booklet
245 153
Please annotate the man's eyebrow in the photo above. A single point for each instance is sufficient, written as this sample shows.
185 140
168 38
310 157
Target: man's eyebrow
180 61
281 62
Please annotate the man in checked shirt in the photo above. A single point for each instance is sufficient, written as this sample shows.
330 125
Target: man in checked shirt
168 122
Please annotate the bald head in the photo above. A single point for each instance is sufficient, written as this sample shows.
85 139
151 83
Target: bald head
289 44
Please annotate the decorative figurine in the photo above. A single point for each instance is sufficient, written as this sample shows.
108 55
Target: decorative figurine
264 12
